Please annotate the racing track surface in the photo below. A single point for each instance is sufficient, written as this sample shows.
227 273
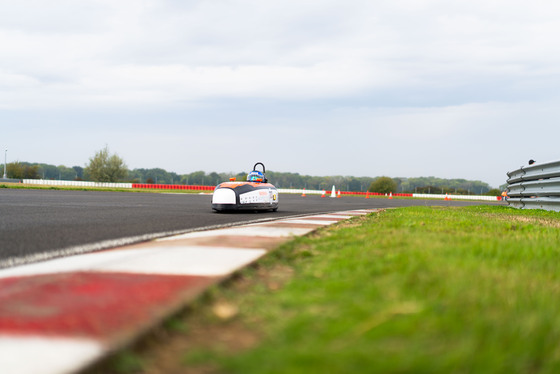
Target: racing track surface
42 221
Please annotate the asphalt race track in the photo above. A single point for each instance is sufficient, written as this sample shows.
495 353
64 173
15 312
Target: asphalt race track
38 222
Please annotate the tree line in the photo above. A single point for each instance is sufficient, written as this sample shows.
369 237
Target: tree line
25 170
106 167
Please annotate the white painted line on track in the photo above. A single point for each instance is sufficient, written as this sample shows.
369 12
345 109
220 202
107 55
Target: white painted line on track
41 355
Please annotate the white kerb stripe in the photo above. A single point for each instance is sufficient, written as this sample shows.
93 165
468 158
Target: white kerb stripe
308 221
39 355
201 261
187 260
251 230
84 262
333 216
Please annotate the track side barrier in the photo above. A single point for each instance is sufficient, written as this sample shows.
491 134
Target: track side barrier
280 190
47 182
414 195
535 186
172 187
456 197
347 193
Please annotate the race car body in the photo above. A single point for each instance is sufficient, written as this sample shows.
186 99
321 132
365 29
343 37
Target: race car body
255 194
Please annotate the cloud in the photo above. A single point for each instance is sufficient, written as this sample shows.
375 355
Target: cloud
100 53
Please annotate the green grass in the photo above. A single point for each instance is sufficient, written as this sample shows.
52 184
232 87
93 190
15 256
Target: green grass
412 290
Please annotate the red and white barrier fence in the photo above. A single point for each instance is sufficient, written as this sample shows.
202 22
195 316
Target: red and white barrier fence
280 190
173 187
46 182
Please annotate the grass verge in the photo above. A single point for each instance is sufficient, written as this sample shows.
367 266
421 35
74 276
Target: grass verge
411 290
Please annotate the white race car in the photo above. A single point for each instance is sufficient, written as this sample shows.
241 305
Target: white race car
254 194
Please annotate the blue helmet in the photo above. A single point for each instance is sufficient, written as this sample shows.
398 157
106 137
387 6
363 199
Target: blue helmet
255 176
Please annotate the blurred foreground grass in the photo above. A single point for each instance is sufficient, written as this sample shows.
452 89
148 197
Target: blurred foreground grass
412 290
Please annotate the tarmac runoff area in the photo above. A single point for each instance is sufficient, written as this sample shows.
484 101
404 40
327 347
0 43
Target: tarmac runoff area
62 315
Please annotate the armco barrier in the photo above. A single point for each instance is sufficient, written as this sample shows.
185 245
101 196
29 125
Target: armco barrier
535 186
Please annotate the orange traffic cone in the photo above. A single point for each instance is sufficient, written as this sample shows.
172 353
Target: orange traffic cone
390 195
303 194
324 193
447 197
367 195
338 194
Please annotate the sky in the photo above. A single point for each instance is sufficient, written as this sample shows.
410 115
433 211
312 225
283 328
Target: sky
400 88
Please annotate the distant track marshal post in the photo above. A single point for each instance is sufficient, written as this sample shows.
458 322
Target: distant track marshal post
5 163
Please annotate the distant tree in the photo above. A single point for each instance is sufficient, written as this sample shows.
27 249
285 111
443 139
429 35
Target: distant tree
31 172
197 178
383 185
47 171
241 176
22 170
66 173
79 172
25 170
156 175
104 167
15 170
354 184
494 192
213 179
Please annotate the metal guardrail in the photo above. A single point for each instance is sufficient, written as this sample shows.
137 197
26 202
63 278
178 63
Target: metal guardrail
535 186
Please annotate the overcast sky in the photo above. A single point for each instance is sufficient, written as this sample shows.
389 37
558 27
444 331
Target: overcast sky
403 88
